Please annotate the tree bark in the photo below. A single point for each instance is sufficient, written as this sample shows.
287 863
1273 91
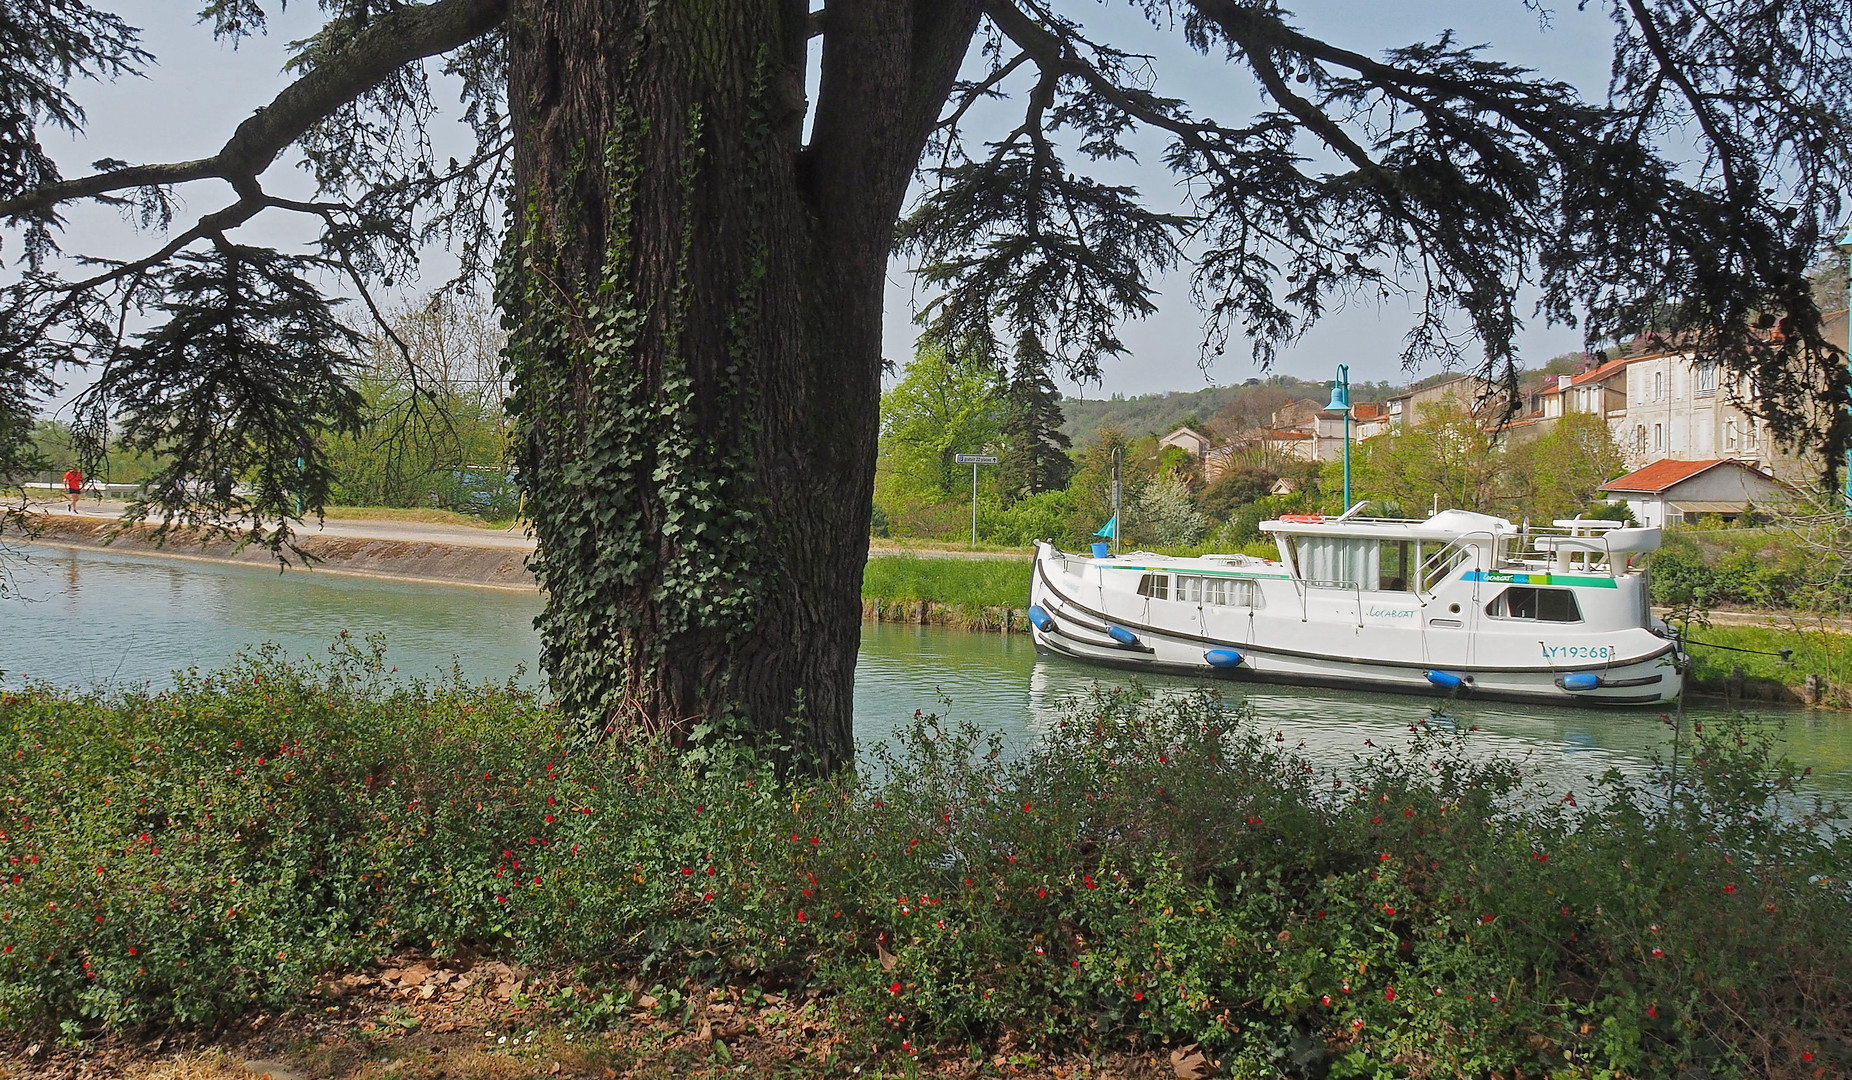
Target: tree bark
695 303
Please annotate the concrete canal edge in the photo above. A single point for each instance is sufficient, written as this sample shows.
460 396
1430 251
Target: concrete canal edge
422 561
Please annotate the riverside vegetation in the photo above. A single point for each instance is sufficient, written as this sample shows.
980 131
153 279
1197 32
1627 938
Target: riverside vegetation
1158 870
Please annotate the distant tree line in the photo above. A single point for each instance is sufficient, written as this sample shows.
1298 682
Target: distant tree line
1047 486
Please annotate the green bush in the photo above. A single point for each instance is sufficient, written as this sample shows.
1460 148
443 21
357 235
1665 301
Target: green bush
1045 516
1155 869
1742 568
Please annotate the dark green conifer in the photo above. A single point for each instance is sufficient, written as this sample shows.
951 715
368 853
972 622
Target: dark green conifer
1034 457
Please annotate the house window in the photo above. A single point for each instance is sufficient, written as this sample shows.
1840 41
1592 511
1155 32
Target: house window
1729 434
1156 586
1537 605
1639 438
1750 430
1659 437
1659 386
1218 592
1705 380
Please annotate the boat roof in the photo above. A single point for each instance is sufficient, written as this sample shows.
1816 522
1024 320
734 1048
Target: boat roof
1446 525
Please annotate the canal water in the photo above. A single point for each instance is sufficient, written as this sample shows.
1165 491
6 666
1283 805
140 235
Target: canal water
89 618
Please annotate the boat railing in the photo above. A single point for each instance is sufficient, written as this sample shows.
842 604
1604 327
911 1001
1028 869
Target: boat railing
1436 566
1585 545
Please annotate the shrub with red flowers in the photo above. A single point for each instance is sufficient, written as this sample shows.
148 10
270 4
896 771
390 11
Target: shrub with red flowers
1159 868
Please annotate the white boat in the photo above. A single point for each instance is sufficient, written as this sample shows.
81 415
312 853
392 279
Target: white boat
1461 604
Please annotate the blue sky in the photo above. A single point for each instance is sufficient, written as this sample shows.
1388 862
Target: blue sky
199 90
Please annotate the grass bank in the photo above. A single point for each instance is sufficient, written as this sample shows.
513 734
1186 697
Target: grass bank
970 593
1719 652
1160 872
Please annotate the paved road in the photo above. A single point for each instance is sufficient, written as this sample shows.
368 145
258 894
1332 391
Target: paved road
414 531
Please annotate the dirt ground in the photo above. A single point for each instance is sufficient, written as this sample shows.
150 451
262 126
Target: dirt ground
412 1018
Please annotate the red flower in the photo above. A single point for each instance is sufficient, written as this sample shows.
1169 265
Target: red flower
894 989
1389 994
1026 807
1730 888
1324 999
800 916
1652 1011
1138 995
1488 916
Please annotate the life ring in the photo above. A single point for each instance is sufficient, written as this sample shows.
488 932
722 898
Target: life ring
1303 519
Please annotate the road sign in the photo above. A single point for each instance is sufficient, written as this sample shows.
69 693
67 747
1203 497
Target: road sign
975 459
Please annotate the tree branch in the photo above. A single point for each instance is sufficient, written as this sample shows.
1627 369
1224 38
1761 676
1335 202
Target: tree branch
387 44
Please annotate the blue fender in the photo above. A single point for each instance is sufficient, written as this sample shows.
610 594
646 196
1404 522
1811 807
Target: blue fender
1121 635
1446 680
1041 619
1223 658
1579 680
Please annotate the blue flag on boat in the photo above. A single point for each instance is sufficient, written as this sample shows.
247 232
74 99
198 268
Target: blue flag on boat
1111 529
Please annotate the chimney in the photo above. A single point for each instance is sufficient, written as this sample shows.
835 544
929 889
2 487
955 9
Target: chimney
1563 381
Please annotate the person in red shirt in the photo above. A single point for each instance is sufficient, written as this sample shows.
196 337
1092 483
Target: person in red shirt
73 485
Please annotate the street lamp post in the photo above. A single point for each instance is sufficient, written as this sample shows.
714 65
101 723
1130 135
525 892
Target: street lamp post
1340 399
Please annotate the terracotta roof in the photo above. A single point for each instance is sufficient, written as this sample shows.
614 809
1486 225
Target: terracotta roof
1369 410
1667 473
1278 435
1595 374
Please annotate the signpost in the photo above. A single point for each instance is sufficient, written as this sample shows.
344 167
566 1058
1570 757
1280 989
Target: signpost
974 460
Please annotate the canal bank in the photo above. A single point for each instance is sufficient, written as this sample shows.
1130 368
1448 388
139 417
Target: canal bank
415 552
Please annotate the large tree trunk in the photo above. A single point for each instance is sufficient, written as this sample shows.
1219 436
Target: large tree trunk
695 304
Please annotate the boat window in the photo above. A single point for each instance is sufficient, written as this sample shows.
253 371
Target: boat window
1542 605
1218 592
1156 586
1337 562
1395 565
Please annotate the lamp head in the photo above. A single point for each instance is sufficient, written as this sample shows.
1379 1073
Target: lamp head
1340 397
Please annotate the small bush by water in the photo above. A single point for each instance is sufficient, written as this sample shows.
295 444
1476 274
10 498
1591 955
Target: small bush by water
1159 869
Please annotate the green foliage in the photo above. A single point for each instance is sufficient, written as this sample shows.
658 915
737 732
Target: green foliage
1048 516
1165 514
1237 486
1448 454
937 410
1157 868
1559 473
435 432
1755 568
